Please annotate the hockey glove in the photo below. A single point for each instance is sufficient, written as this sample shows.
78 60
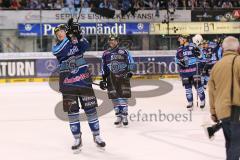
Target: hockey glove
73 29
128 75
182 63
103 85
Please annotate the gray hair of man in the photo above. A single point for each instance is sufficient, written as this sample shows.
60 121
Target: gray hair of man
230 43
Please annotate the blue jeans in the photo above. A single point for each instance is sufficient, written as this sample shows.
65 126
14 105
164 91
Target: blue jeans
231 132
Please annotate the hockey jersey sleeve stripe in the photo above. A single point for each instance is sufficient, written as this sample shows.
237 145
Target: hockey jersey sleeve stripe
103 65
220 53
57 49
130 58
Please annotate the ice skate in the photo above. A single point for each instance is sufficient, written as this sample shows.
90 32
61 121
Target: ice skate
98 140
77 145
190 106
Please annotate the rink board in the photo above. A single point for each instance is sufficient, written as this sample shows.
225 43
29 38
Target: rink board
42 69
24 80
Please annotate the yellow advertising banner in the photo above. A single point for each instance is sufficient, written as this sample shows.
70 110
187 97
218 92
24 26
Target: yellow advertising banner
176 28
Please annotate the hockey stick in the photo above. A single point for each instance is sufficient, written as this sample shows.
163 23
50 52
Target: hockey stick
79 14
197 83
96 84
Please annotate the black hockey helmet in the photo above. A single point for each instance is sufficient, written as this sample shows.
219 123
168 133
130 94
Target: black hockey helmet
59 27
205 41
185 36
113 37
218 40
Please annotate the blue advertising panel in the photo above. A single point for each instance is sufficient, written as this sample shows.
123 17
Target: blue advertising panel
150 65
47 29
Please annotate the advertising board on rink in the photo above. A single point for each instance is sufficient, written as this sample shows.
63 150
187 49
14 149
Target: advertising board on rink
11 19
17 68
176 28
46 67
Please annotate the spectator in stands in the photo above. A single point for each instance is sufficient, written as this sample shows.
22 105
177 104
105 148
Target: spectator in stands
6 3
236 3
1 4
44 4
77 3
227 4
184 3
33 4
15 4
193 4
69 3
58 4
51 4
205 4
85 4
106 4
23 4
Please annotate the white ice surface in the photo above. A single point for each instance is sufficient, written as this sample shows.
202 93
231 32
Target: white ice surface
29 129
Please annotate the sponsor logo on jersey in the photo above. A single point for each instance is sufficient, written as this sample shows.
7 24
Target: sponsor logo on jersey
76 78
117 57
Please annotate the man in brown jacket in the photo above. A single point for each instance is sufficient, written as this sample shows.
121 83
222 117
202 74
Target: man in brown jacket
220 95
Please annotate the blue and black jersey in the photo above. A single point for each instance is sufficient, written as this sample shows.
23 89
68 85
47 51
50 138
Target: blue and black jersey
187 59
117 61
65 49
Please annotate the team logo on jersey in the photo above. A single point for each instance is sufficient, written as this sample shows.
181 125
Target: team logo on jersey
121 51
73 51
187 53
72 64
117 67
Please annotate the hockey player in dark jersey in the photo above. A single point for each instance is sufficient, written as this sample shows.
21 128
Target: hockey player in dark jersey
217 48
117 69
75 81
212 52
187 58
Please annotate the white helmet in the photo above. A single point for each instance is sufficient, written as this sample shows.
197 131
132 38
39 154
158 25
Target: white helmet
197 39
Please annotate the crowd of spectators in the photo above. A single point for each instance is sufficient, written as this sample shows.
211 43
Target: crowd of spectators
31 4
193 4
116 4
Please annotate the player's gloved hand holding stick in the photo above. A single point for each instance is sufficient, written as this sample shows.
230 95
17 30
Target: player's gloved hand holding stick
103 83
73 29
128 75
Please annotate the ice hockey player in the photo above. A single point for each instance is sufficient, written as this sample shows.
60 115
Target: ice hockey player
187 58
209 59
74 72
217 48
117 69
